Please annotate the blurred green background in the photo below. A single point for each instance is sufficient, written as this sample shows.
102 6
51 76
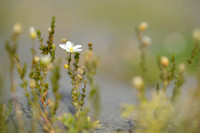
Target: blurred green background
110 25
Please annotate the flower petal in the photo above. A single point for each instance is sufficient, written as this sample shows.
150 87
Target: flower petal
77 46
69 44
77 50
63 46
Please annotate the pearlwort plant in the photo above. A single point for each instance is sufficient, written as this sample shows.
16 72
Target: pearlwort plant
37 86
162 113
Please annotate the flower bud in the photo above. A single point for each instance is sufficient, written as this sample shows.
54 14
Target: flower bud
17 28
146 40
63 40
33 33
66 66
143 26
49 29
90 44
79 76
36 58
138 82
164 61
53 46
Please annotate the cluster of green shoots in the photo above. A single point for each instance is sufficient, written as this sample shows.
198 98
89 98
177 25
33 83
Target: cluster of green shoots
39 83
164 112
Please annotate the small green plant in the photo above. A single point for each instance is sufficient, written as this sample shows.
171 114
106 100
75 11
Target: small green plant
162 113
37 86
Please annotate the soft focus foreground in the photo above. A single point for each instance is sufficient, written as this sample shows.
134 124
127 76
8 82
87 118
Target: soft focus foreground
56 90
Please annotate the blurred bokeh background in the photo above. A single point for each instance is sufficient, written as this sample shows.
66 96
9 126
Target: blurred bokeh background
110 25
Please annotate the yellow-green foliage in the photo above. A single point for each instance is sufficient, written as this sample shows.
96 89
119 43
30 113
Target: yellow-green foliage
162 113
82 123
44 110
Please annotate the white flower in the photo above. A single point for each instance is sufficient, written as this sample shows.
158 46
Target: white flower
70 47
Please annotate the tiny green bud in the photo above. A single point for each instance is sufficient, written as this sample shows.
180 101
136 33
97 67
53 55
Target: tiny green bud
53 46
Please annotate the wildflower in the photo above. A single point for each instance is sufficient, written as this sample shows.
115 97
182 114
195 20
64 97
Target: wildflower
146 40
138 82
196 34
17 28
46 59
164 61
70 47
66 66
143 26
33 34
